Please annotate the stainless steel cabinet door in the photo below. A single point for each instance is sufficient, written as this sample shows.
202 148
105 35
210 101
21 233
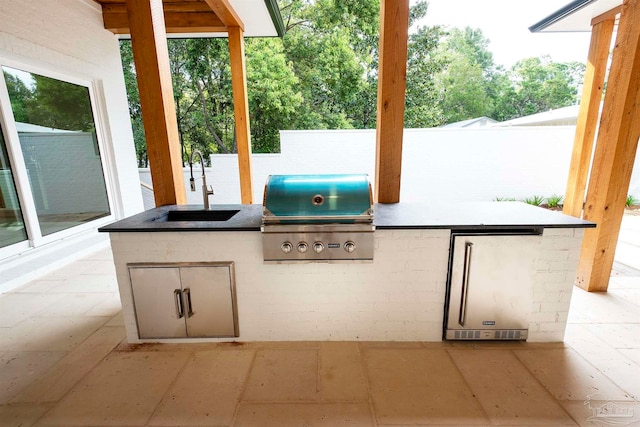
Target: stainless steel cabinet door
208 300
157 301
491 284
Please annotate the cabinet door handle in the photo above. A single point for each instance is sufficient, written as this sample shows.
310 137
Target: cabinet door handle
186 294
465 282
178 301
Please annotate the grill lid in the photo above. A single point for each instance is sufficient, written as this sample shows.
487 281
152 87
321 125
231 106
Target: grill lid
328 197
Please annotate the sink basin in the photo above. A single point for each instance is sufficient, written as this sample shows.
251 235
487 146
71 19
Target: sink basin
201 215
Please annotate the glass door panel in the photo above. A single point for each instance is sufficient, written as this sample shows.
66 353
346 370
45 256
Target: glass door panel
12 228
58 141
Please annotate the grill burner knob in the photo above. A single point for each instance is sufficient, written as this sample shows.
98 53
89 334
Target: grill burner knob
303 247
286 247
318 247
349 246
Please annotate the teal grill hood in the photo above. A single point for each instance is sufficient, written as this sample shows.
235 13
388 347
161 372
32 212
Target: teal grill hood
318 197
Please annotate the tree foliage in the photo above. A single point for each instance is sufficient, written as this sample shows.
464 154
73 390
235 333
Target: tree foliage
50 102
323 75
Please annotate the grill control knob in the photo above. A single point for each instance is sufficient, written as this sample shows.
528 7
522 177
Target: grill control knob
349 246
318 247
286 247
303 247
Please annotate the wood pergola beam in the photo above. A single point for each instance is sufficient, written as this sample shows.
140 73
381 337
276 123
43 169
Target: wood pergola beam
116 20
241 111
614 154
392 79
151 57
226 13
588 115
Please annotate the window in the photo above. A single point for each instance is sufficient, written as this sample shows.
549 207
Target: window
60 157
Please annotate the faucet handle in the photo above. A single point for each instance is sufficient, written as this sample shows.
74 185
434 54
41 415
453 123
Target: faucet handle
210 190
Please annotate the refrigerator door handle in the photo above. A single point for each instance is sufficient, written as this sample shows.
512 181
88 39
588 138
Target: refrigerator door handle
465 283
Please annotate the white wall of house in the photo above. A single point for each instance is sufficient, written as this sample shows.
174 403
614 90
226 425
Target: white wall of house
438 165
66 40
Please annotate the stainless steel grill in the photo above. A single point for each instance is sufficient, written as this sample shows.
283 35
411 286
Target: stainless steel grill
317 218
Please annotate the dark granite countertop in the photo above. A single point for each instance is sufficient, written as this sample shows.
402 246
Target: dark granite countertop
475 216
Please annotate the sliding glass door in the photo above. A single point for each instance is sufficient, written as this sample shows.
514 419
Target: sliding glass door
11 223
57 156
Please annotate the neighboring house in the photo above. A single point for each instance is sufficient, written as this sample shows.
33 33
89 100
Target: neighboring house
565 116
472 123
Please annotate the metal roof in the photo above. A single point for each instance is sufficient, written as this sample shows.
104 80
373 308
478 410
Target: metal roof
575 16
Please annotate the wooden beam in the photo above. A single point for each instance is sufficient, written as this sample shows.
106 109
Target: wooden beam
241 111
151 57
606 16
614 155
588 117
116 20
226 13
392 79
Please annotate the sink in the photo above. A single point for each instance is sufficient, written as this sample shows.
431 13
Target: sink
201 215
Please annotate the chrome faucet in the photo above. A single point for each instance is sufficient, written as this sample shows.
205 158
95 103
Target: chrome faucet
206 190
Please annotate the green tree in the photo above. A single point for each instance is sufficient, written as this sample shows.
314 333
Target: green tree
133 98
20 96
539 85
465 83
273 98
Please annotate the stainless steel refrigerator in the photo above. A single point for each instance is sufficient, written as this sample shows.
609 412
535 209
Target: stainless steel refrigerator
490 286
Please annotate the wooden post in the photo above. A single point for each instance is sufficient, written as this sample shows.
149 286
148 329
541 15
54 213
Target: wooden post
588 116
392 79
614 155
151 56
241 111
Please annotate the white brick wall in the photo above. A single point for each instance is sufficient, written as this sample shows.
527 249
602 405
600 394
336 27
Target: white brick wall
555 275
397 297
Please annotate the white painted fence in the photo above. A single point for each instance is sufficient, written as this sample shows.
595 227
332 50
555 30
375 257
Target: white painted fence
439 165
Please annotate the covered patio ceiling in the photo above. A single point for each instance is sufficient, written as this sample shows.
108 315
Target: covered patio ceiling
602 173
203 18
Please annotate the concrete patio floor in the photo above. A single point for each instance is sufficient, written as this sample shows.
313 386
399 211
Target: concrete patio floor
64 362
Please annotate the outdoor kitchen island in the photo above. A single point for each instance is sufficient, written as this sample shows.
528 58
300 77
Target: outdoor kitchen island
399 296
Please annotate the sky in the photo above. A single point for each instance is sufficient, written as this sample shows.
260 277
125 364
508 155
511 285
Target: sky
506 24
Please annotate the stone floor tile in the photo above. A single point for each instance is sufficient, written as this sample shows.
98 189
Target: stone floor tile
39 286
632 354
19 369
116 320
16 307
49 333
568 376
109 306
88 283
619 335
22 415
508 393
57 381
74 304
207 390
623 371
603 413
304 414
342 376
419 386
283 375
123 390
603 307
